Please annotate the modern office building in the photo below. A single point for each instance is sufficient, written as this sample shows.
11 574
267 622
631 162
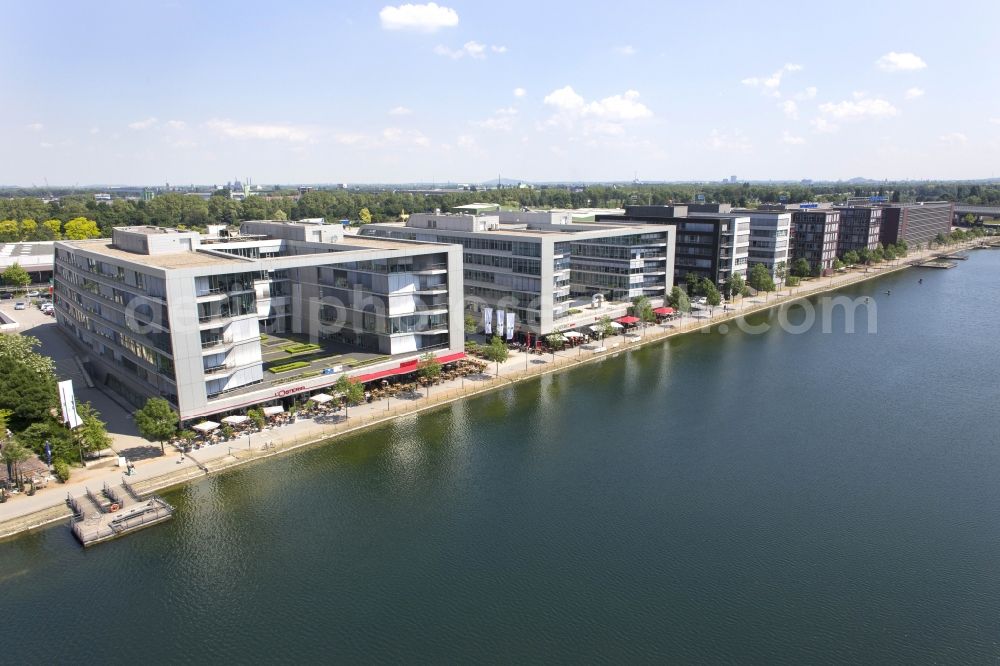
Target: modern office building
713 244
816 232
35 258
544 272
770 241
917 224
210 321
859 228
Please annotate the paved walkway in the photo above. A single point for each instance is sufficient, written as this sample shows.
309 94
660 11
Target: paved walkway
152 473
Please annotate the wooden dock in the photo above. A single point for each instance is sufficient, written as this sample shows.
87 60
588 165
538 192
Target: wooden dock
115 515
935 263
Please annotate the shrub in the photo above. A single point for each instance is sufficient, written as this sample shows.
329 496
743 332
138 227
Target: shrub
61 470
793 280
301 348
288 367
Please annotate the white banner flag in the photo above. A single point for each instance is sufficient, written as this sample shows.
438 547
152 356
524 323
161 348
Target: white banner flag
68 402
488 320
510 325
500 321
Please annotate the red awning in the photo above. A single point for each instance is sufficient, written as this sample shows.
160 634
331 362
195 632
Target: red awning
628 319
663 311
450 358
381 374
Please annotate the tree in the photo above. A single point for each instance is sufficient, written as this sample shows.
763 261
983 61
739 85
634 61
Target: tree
471 324
878 254
51 230
156 421
80 228
643 309
13 455
851 258
712 295
604 327
28 395
838 265
91 434
556 340
692 283
865 255
679 300
350 389
496 351
29 230
429 367
800 268
9 231
15 276
902 248
760 277
736 284
365 216
256 416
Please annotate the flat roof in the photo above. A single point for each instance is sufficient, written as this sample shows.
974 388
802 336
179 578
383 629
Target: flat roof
170 260
378 243
568 231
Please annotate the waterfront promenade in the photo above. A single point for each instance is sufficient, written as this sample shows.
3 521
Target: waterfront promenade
23 513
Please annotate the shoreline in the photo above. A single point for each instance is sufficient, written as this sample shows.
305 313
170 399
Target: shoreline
324 433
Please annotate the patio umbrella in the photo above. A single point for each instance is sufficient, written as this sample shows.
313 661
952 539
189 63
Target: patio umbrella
206 426
663 311
321 398
234 420
627 320
572 334
615 324
273 409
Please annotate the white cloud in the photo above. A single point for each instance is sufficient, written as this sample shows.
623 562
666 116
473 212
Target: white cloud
498 48
35 127
419 18
603 116
520 92
502 120
176 124
914 93
349 139
278 132
728 141
394 135
791 139
142 124
400 111
769 85
472 49
859 107
808 93
626 50
791 109
824 126
900 62
995 121
954 139
564 98
95 130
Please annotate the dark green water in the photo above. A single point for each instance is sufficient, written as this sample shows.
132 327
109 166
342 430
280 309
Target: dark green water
768 498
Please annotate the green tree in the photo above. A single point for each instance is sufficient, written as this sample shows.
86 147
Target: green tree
643 309
865 255
15 276
679 300
156 421
712 295
80 228
352 390
851 258
51 230
29 230
838 265
736 284
28 394
760 277
9 231
556 340
256 416
800 268
692 283
902 248
605 327
365 216
429 367
91 435
471 324
496 351
14 454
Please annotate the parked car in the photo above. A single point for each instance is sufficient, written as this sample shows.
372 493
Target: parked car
34 293
20 305
701 300
7 295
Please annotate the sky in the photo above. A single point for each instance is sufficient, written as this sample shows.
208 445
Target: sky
184 91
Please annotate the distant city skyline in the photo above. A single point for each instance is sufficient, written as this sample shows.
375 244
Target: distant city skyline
377 92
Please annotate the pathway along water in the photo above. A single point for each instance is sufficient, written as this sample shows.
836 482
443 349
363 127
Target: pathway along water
776 497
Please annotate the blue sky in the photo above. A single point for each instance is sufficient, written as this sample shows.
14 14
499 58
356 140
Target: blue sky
201 92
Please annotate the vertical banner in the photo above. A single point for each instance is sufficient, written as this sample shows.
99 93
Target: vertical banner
68 402
510 325
488 320
500 321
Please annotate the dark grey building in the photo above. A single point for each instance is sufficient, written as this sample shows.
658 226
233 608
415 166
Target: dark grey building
917 224
859 228
816 233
